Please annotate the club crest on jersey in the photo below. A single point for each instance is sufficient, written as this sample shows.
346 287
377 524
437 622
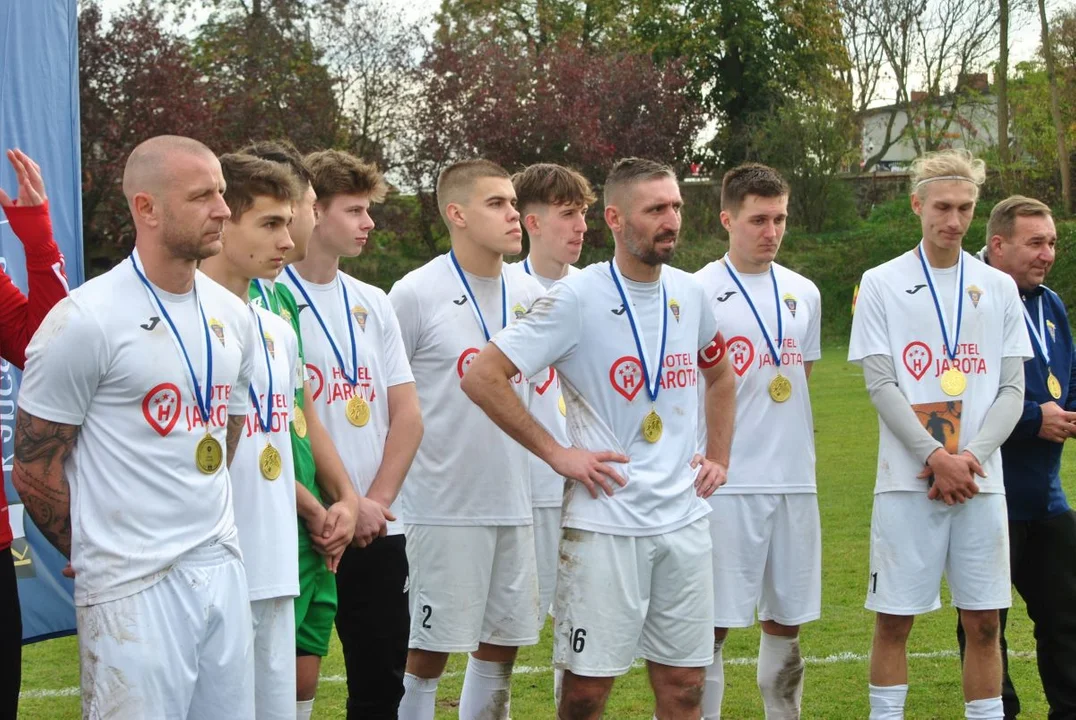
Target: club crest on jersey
218 329
675 307
286 314
917 358
270 345
519 311
161 407
974 293
1053 330
790 303
360 314
626 376
741 352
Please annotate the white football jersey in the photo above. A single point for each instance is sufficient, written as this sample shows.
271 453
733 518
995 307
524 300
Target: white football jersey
772 442
380 364
547 405
467 471
106 359
895 315
582 328
265 513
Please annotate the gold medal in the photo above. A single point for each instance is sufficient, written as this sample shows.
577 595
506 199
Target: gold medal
1053 385
652 427
780 388
298 423
270 462
358 411
562 407
953 382
208 455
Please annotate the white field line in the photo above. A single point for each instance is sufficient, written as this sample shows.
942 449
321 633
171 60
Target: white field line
844 657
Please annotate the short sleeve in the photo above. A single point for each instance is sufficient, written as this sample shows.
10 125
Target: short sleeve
812 343
239 399
546 334
708 328
1015 339
869 330
65 363
408 316
397 367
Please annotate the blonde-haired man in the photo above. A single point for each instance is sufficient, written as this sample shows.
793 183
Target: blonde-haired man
365 395
941 340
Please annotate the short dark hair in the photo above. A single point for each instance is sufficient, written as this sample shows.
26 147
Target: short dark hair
459 177
248 178
283 152
551 184
339 173
628 171
750 179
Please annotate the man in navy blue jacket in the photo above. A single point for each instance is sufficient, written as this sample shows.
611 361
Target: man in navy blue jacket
1021 241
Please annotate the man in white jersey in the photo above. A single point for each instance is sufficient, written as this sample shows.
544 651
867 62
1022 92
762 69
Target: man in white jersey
765 527
365 395
552 201
260 195
320 474
145 367
941 339
628 339
467 500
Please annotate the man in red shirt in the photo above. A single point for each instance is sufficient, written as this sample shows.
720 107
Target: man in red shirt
28 215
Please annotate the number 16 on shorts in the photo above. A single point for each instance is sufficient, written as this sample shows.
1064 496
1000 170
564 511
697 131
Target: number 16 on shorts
577 639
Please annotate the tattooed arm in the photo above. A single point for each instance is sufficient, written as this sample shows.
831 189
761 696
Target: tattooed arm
41 447
235 431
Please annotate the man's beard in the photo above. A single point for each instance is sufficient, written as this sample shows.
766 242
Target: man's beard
651 255
185 245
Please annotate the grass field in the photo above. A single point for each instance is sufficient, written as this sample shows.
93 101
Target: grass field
836 646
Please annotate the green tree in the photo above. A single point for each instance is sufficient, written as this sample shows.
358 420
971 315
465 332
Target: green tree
810 140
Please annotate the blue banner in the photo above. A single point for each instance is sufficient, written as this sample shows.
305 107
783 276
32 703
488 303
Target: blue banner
39 114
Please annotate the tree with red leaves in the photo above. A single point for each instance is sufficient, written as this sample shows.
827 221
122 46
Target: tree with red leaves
135 81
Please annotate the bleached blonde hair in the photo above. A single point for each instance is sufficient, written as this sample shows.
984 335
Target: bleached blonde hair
947 165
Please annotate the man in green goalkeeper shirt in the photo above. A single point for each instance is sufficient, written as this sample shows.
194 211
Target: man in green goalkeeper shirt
319 472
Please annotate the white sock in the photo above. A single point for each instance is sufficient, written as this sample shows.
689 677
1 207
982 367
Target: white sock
303 708
487 690
714 690
780 676
985 709
420 698
887 703
558 683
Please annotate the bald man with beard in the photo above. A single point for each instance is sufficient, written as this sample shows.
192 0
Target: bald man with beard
132 403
